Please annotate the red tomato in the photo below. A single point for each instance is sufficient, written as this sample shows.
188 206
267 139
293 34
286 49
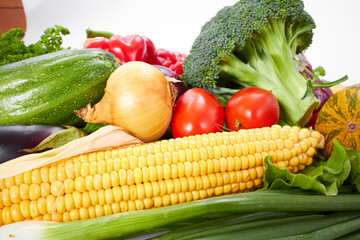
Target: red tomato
197 111
251 107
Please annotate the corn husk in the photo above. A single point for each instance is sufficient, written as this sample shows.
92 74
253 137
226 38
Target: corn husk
107 137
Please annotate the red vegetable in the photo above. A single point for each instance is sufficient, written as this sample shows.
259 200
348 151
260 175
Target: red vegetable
98 42
129 48
170 59
126 48
151 50
197 111
251 107
135 48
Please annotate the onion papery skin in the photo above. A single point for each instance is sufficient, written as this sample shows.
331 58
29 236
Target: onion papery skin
138 98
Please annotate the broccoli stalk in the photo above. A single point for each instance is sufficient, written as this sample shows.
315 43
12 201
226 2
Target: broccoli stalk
254 43
270 64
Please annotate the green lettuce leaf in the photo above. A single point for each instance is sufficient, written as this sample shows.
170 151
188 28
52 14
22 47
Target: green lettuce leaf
323 176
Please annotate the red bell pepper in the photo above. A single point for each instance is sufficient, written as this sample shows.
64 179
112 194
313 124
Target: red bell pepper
130 48
98 42
170 59
135 48
151 50
126 48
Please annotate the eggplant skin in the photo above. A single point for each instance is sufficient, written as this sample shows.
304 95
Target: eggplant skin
14 138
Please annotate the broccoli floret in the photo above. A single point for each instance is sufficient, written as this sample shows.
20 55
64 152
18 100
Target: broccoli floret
254 43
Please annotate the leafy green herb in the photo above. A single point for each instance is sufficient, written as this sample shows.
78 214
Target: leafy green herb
13 48
323 176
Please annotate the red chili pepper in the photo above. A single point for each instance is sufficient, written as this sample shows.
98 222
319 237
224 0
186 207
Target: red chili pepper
99 42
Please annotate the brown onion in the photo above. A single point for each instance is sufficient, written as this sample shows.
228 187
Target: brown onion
138 98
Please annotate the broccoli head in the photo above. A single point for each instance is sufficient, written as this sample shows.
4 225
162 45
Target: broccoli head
254 43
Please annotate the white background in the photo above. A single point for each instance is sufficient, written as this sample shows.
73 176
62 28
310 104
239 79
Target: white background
174 25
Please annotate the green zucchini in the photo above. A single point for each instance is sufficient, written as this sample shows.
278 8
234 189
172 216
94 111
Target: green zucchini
48 88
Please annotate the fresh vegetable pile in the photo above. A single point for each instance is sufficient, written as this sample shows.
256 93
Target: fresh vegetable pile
241 138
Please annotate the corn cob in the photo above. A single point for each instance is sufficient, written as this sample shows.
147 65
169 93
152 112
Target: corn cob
154 174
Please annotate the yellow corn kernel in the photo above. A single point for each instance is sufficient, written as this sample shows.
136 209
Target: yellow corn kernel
311 151
45 189
69 170
86 200
52 174
50 203
60 204
94 197
57 217
101 165
25 209
61 173
6 215
97 181
66 217
85 169
34 211
69 202
79 184
19 179
56 188
5 195
74 214
2 182
106 181
41 204
77 199
15 194
101 194
15 213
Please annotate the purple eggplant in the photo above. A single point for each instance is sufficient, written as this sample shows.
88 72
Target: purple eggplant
15 138
180 87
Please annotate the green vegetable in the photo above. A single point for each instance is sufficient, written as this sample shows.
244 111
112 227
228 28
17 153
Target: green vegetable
13 49
233 223
254 43
47 89
343 166
345 227
92 127
92 34
285 226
